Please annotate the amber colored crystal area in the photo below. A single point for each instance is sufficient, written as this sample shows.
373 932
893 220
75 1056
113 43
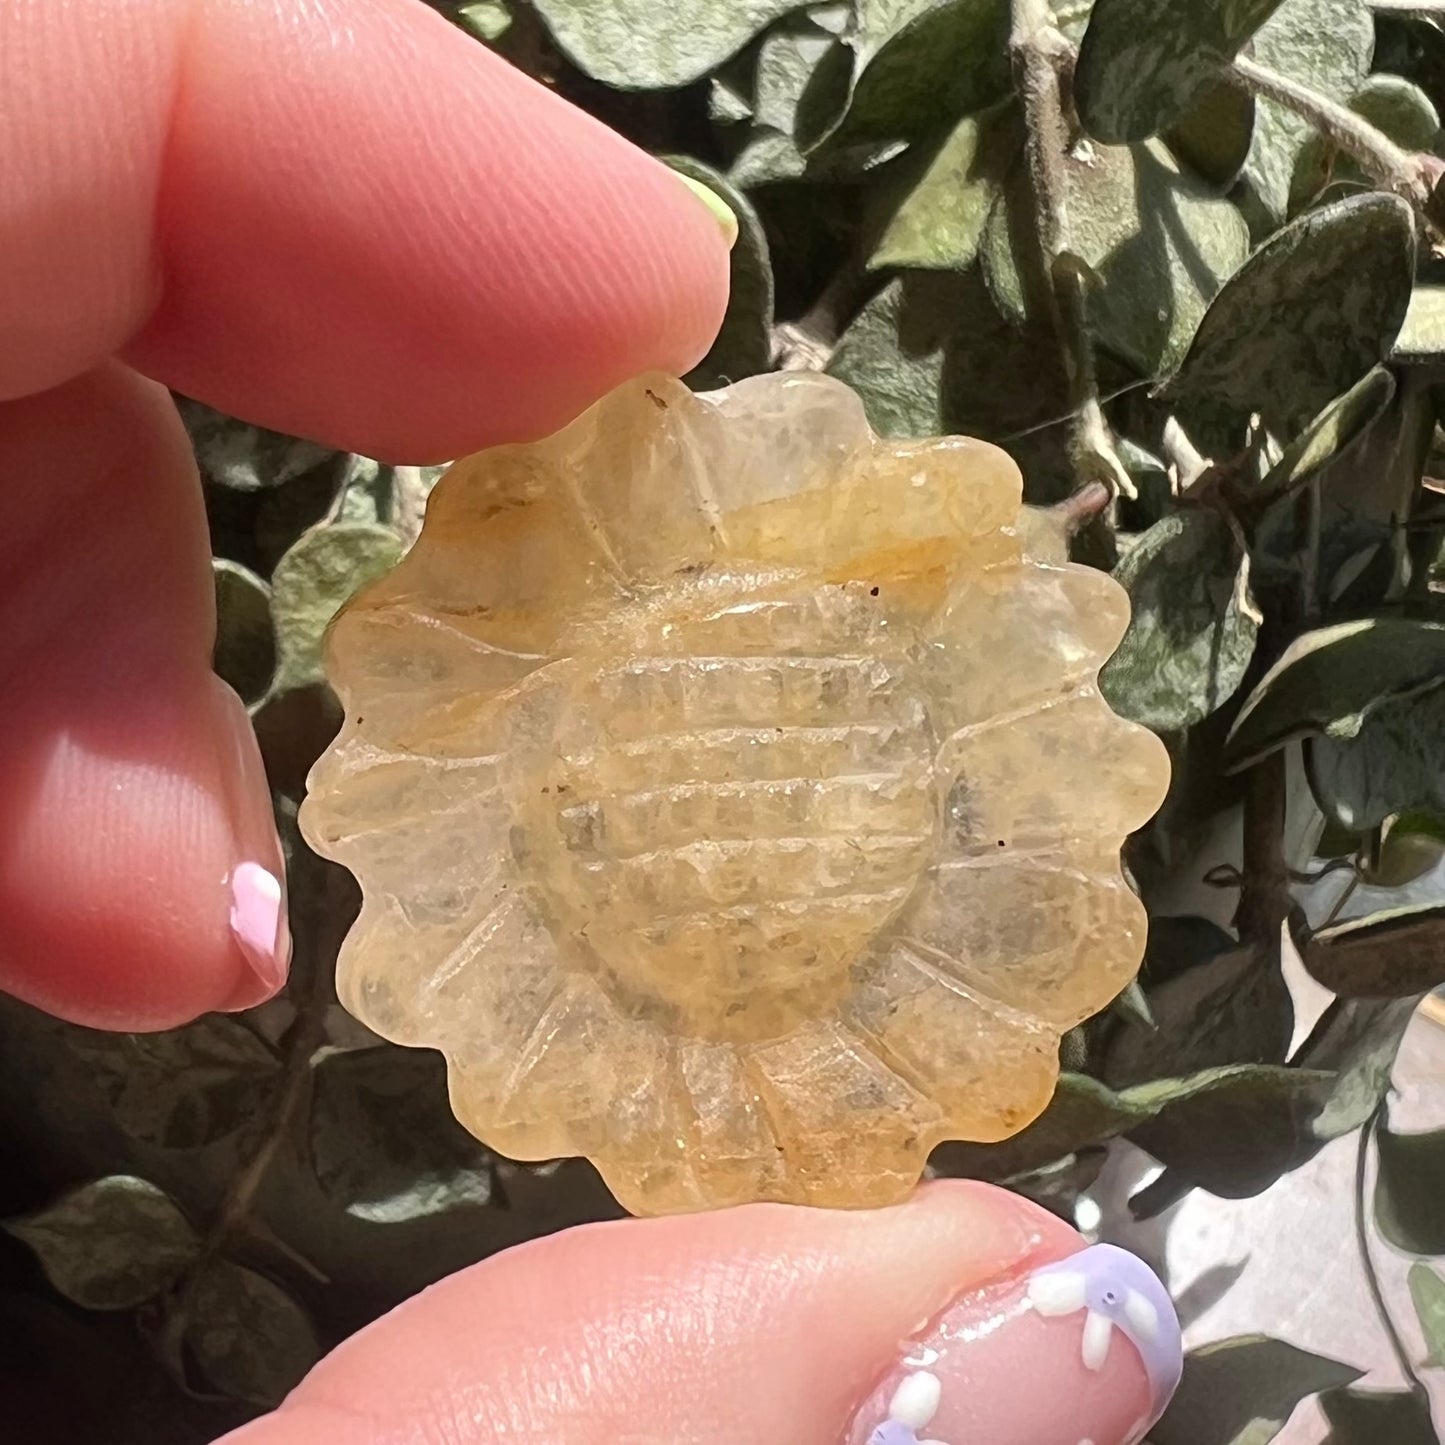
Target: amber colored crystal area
732 798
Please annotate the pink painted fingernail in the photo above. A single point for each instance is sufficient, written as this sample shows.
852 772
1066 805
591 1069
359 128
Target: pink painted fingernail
258 919
1086 1351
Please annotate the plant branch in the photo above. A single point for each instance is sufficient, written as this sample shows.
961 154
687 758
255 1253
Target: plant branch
1264 896
1372 1279
306 1034
807 344
1037 50
1407 175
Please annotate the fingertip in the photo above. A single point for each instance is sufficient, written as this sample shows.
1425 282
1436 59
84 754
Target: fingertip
130 782
410 272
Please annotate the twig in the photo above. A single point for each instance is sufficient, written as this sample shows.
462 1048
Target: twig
807 344
1372 1279
1410 176
1036 48
1264 896
305 1035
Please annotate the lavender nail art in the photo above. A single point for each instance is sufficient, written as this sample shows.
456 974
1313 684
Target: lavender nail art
915 1403
1116 1289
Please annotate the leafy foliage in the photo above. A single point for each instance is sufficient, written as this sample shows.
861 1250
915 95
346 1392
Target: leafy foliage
1143 62
185 1088
1241 1391
1192 636
1358 1417
111 1244
1133 263
250 1339
384 1142
1409 1190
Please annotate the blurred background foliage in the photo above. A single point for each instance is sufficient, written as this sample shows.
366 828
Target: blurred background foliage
1183 261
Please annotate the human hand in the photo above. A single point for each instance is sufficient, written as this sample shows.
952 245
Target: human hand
342 218
764 1326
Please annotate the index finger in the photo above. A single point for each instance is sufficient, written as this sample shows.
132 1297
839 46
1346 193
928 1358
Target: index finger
344 220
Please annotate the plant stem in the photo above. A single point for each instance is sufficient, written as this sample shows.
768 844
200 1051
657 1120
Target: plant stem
300 1042
1375 153
1372 1279
1035 47
1264 896
807 344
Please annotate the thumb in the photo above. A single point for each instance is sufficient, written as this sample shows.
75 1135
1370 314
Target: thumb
946 1321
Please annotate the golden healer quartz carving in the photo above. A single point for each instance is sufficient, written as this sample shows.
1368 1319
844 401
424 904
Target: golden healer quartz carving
732 797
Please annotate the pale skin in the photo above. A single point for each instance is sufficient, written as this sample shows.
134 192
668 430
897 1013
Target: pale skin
344 219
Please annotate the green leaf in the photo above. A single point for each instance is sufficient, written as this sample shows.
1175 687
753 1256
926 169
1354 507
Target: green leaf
293 729
787 59
1324 44
184 1088
245 650
744 344
1330 680
313 581
1427 1290
1412 846
1422 334
383 1139
1193 630
488 20
1378 1417
1082 1113
1143 62
1242 1391
111 1244
1355 1044
247 458
1212 138
1178 944
798 58
1390 103
1158 241
251 1340
640 45
1229 1008
1341 423
1397 953
919 65
727 104
1410 1190
940 224
1311 311
893 354
1233 1130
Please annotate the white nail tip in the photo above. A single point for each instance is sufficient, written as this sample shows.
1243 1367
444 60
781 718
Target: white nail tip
1057 1294
1098 1330
256 918
1142 1315
916 1400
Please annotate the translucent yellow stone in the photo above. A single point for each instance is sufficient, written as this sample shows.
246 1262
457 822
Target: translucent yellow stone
733 799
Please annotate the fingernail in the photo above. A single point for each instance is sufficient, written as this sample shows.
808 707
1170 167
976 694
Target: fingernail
722 213
1083 1352
258 921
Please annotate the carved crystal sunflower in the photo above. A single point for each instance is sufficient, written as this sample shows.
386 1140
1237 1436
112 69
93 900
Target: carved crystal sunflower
732 797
